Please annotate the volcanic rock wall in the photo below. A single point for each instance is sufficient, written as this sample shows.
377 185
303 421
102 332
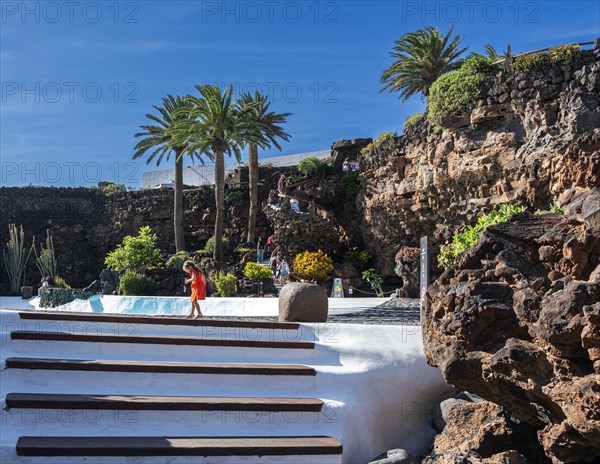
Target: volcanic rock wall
531 138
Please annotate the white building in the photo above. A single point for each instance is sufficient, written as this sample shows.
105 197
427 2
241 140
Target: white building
205 175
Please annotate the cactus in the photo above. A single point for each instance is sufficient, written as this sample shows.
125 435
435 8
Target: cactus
15 257
46 260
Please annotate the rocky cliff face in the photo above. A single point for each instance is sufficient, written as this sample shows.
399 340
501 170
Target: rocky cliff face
532 139
517 322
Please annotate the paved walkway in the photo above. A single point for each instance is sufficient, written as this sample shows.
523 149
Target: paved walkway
396 311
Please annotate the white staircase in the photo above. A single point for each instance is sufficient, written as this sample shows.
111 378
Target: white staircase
99 388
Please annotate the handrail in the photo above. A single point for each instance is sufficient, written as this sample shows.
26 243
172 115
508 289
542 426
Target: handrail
594 42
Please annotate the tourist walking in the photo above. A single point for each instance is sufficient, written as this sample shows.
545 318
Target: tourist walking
198 285
259 251
284 272
273 263
270 244
280 184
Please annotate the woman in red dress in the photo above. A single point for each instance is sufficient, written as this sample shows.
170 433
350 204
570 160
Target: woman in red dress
198 286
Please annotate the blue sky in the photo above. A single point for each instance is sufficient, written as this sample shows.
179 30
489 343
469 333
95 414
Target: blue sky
78 78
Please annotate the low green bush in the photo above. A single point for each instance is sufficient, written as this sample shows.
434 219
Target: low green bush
384 137
562 54
364 151
243 250
294 179
112 190
133 283
175 262
226 283
257 271
453 93
460 242
413 119
60 282
352 185
358 259
313 167
234 197
553 209
210 245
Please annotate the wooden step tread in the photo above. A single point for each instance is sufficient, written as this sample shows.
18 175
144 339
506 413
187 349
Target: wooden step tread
155 403
159 340
147 319
177 446
159 367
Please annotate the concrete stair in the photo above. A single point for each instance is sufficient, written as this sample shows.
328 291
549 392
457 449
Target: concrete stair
134 389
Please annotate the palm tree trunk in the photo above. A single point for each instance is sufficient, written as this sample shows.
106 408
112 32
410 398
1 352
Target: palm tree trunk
253 174
220 202
178 203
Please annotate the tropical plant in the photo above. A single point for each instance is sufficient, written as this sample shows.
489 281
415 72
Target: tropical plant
15 257
367 149
358 259
461 242
562 54
492 55
453 93
421 58
216 125
374 280
257 271
136 253
175 262
412 120
157 141
268 123
312 265
133 283
46 260
384 137
233 197
226 283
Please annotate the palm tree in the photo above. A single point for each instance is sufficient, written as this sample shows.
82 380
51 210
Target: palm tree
421 57
217 125
493 55
157 142
269 125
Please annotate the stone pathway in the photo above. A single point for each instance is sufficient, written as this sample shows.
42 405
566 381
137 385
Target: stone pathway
396 311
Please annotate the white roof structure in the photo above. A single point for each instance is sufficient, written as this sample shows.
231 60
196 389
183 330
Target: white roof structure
205 175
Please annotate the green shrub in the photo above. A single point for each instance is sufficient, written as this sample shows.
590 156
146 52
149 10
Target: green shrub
112 190
375 280
234 197
352 186
243 250
358 259
528 63
460 242
453 93
293 179
564 53
366 150
384 137
175 262
313 265
257 271
210 245
133 283
313 167
226 283
413 119
553 209
136 253
60 282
